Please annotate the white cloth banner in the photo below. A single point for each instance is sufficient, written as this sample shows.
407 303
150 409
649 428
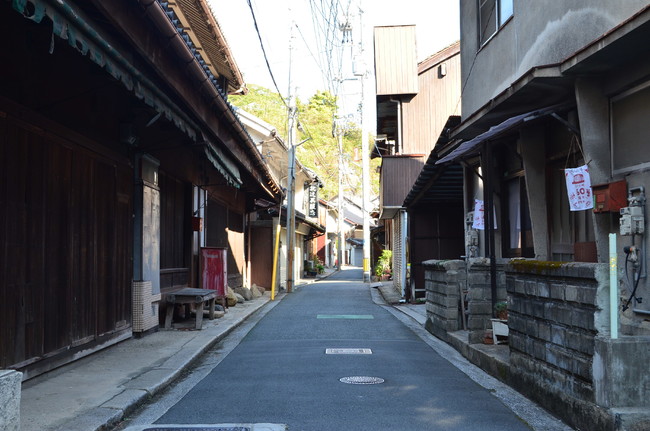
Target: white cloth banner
479 215
578 188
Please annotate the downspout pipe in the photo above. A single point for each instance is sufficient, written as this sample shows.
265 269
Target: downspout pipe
404 233
157 14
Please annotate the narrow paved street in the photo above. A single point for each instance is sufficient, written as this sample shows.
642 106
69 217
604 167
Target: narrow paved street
280 373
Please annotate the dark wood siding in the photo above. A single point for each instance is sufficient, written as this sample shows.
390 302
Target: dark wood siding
397 177
262 254
425 114
175 233
396 60
435 232
65 230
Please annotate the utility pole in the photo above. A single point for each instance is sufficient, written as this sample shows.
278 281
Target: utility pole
291 175
339 139
365 160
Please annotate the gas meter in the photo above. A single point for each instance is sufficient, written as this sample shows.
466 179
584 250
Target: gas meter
471 235
632 218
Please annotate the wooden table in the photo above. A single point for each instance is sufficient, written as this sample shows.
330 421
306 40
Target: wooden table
188 295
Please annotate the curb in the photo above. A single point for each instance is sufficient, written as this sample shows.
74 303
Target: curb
145 386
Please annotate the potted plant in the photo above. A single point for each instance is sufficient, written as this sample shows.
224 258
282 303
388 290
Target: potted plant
501 310
383 268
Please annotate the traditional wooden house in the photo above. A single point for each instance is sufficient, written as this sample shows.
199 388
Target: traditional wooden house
264 222
414 102
116 139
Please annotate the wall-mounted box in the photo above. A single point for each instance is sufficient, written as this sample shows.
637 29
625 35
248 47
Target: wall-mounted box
610 197
197 224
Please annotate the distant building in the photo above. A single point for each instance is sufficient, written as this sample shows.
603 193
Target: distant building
414 103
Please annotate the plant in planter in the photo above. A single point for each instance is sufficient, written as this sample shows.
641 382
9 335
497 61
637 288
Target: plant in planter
501 310
383 268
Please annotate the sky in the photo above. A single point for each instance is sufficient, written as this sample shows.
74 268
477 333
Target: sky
437 26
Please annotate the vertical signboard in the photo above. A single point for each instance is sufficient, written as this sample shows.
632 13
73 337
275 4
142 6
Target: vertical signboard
313 200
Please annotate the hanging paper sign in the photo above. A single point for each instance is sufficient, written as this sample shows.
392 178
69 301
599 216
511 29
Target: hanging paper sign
479 215
578 187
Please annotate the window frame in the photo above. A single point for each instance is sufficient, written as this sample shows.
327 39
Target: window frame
499 22
615 170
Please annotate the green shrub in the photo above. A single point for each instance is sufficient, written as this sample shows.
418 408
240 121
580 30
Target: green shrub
384 263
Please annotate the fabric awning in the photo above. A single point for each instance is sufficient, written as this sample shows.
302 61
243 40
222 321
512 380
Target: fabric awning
223 164
472 146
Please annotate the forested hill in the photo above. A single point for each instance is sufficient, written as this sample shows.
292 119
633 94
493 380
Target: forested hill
320 153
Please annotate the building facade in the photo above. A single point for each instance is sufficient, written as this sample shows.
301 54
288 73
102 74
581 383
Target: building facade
120 159
554 96
414 103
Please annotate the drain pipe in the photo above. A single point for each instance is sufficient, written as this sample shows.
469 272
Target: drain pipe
403 233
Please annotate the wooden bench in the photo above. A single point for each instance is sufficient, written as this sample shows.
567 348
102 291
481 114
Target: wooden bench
187 295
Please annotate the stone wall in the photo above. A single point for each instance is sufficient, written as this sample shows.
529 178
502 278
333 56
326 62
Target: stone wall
479 297
443 280
554 318
10 382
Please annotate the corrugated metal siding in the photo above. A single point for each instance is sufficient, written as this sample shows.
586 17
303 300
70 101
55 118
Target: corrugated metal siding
425 115
395 60
397 177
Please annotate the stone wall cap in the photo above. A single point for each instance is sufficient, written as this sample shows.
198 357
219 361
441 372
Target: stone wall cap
485 262
8 372
445 264
560 269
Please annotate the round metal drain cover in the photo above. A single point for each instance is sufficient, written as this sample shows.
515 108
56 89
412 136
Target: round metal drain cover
361 380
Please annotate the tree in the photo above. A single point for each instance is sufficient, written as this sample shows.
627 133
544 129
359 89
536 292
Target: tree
315 121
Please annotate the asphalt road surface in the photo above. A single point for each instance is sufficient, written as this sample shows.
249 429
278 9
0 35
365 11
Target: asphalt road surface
280 373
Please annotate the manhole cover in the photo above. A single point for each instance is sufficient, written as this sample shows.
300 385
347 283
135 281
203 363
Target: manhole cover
348 351
361 380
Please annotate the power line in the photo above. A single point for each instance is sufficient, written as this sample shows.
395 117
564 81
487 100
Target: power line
266 59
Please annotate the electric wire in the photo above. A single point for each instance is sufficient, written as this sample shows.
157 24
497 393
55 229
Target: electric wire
266 58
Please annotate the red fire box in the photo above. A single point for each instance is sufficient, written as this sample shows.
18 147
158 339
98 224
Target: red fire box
610 197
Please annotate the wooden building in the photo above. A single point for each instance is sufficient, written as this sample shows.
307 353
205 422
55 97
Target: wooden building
115 135
414 102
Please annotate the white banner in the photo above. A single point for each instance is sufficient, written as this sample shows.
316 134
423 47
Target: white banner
578 188
479 215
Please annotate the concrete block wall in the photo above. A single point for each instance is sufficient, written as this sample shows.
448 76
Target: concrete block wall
479 297
444 280
553 318
10 382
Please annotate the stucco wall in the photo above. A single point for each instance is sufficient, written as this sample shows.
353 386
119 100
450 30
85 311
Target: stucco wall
539 33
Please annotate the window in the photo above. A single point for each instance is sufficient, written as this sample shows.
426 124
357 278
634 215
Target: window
517 230
493 14
630 129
